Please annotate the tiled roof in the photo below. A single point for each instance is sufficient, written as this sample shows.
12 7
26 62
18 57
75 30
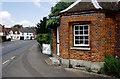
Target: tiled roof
14 30
1 27
81 5
26 30
6 30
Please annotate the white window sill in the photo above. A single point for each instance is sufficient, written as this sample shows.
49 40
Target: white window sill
79 48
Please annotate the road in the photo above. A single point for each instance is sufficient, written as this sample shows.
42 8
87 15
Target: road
24 59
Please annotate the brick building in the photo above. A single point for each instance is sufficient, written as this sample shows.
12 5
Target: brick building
88 31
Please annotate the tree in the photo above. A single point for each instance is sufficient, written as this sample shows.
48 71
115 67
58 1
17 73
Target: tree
55 11
59 7
41 26
18 26
51 23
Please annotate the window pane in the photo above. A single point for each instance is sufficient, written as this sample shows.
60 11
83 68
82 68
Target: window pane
81 32
77 37
81 37
81 27
85 32
76 27
86 27
86 37
76 41
86 41
81 41
76 32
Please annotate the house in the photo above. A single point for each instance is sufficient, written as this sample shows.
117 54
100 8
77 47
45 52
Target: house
1 32
14 34
11 33
88 31
26 34
6 32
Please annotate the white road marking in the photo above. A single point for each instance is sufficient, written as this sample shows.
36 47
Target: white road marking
6 61
13 57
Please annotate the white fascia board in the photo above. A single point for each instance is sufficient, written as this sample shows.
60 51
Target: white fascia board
75 3
96 4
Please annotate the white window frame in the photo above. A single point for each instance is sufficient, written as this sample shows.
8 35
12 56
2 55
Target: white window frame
81 35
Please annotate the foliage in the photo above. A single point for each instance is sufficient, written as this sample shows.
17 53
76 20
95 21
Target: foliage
102 71
43 38
53 22
41 27
18 26
111 66
59 7
51 42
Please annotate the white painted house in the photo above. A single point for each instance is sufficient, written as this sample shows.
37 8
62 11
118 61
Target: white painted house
12 33
26 34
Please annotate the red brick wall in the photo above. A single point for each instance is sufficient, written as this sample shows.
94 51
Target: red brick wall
117 49
102 36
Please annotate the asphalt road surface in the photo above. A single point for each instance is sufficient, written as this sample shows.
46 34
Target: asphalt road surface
24 59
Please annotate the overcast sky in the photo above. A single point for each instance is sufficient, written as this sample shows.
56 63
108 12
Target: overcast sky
27 13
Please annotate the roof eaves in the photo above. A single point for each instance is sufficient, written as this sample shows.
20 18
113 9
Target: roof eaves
96 4
71 6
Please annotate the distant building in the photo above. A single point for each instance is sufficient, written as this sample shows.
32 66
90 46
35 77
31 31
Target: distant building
14 34
26 34
1 30
6 33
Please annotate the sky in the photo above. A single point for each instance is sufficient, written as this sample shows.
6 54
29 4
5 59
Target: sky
26 13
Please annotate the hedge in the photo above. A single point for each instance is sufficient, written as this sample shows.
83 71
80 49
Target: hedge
43 38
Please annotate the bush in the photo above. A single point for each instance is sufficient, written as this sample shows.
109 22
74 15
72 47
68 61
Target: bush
43 38
102 71
111 66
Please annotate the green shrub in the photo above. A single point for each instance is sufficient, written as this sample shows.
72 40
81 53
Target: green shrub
111 66
102 71
53 22
43 38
